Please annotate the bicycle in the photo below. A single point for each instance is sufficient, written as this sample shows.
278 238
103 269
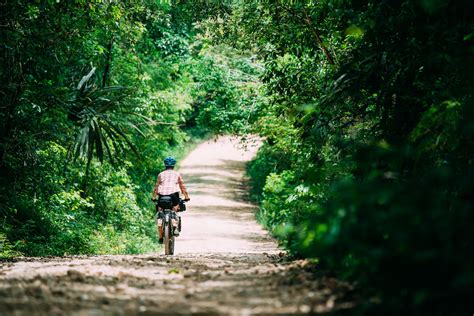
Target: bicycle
166 215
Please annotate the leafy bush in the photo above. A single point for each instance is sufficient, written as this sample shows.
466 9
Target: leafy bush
6 248
374 118
80 148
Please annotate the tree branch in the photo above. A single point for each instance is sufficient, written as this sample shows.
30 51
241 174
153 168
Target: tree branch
315 31
308 21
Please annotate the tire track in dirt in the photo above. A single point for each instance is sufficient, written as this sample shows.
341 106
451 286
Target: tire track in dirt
225 263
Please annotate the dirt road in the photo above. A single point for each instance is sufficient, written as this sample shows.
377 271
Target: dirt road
225 263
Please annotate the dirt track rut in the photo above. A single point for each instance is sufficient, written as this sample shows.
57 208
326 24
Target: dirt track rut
225 263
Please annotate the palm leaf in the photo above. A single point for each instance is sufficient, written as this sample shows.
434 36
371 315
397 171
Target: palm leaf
98 140
90 108
85 79
122 135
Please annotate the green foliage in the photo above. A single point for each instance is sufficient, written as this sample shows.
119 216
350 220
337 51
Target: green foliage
226 90
267 161
367 162
90 107
366 109
6 248
93 96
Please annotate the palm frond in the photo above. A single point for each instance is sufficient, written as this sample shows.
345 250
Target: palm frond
92 108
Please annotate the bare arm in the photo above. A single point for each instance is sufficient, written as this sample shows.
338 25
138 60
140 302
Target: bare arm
157 185
183 187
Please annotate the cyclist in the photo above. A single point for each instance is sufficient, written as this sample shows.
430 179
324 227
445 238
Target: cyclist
170 183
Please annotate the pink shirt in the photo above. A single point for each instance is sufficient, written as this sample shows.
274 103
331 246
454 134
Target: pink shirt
169 182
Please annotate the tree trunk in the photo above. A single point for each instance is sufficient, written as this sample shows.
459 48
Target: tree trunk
108 60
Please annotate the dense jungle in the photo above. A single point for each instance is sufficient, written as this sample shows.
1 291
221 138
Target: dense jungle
365 110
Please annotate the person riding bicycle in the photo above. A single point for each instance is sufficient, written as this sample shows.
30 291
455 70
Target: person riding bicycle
169 183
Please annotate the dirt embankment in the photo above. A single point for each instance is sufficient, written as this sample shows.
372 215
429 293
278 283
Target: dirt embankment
225 263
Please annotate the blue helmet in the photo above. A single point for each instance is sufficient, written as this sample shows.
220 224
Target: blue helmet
169 162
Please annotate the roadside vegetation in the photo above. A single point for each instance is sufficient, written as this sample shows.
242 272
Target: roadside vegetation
366 109
367 162
94 95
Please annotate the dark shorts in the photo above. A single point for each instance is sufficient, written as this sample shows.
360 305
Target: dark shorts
174 197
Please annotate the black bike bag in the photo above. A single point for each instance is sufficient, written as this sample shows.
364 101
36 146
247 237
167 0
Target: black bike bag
182 206
165 202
